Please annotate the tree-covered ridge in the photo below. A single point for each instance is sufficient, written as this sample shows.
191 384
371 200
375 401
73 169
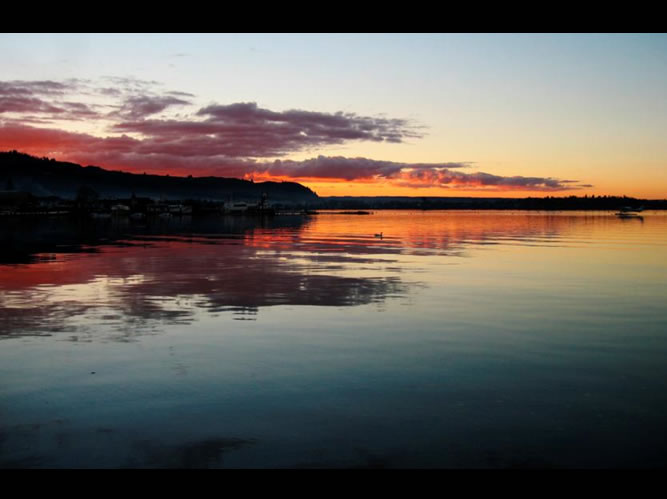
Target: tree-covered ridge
48 177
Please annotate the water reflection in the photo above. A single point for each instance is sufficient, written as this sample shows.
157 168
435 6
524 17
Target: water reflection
459 339
68 276
33 240
130 279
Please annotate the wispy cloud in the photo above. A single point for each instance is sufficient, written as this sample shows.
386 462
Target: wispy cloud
244 130
338 167
142 106
482 181
42 97
419 175
238 139
39 87
314 126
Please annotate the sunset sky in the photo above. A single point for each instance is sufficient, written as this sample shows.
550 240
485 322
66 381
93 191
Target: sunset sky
350 114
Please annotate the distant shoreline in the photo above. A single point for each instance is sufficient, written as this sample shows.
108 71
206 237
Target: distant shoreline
24 176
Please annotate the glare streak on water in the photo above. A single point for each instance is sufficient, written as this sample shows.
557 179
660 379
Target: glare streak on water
457 339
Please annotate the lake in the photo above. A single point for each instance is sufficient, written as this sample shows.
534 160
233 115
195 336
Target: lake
457 339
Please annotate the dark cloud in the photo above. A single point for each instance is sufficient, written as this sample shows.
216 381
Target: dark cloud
180 94
350 168
122 152
220 140
110 91
27 104
79 110
43 97
26 118
57 99
482 180
409 174
29 88
200 155
139 107
244 130
312 126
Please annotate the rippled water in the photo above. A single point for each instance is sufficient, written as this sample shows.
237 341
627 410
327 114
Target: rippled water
457 339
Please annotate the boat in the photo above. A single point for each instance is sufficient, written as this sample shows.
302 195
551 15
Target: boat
629 212
236 207
629 215
120 209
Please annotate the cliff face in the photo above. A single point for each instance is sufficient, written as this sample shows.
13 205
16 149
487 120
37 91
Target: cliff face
47 177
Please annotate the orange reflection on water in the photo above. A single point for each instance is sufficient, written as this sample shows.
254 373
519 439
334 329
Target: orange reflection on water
328 234
332 259
396 231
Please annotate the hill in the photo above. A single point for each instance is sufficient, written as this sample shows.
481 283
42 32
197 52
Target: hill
48 177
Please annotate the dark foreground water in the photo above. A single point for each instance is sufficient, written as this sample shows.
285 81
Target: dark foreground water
458 339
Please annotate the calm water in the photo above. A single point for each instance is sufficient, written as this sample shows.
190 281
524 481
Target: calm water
458 339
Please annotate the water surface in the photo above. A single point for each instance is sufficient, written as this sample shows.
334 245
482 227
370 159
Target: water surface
457 339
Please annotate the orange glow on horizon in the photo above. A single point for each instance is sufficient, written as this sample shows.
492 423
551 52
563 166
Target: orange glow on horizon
401 186
398 187
388 188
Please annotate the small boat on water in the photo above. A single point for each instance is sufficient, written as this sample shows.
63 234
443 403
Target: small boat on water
629 212
243 208
236 207
629 215
120 210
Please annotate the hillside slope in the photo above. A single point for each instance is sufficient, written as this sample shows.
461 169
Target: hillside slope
47 177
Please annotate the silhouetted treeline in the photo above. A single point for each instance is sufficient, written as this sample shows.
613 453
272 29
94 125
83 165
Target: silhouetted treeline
22 175
44 177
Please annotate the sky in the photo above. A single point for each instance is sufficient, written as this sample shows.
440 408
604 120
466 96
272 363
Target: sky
509 115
